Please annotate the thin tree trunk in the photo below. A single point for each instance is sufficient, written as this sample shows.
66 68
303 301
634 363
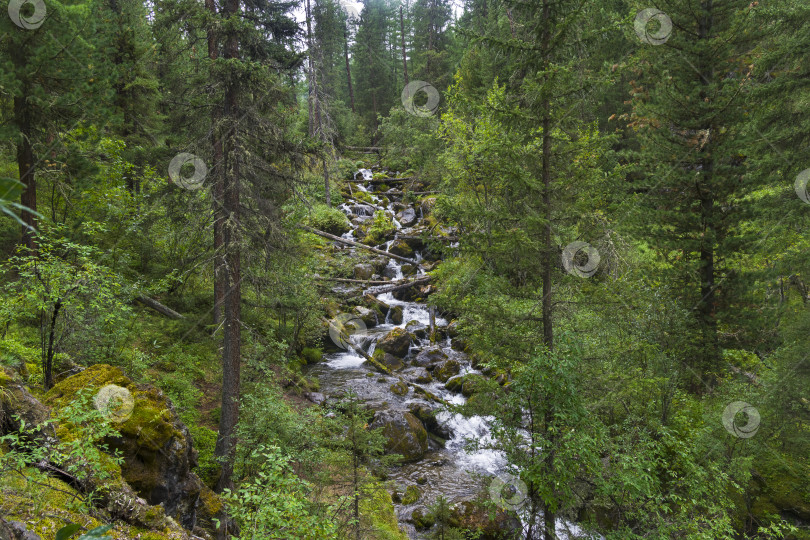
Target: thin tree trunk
48 367
217 191
231 351
348 68
311 74
402 37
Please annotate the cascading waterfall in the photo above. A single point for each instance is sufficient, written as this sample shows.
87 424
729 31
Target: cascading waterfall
451 471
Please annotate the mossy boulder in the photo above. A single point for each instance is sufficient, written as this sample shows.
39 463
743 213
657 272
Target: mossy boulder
399 388
422 519
427 416
363 271
430 358
411 496
396 314
396 342
474 518
404 434
447 369
416 328
401 248
156 446
389 361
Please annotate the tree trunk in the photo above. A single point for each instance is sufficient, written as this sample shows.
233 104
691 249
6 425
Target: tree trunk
310 74
217 191
48 367
348 68
231 350
548 329
25 168
402 36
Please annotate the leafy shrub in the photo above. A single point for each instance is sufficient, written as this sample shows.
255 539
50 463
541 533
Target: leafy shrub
381 227
328 219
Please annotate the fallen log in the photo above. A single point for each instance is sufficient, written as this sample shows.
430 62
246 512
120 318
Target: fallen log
358 244
363 281
390 180
420 281
157 306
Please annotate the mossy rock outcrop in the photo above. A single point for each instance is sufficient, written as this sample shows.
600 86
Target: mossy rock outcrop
447 369
475 519
404 434
396 342
155 445
430 358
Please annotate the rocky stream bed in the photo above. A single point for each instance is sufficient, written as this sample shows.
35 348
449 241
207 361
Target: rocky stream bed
424 374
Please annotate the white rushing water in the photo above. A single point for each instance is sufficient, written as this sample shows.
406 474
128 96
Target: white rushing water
455 471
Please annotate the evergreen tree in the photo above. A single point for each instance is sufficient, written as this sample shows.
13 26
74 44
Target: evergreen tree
688 108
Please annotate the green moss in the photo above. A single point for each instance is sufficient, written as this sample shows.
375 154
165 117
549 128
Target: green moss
312 355
412 494
204 441
377 511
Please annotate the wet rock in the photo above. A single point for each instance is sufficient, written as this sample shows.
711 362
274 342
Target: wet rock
408 270
401 248
363 271
393 363
446 370
430 358
469 384
475 519
396 342
404 434
452 329
315 397
416 328
380 264
407 217
411 496
421 376
369 316
396 314
362 210
399 388
389 272
428 203
422 519
427 416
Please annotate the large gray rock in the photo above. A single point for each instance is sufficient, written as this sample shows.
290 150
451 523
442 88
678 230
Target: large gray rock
430 358
363 271
407 217
404 434
396 342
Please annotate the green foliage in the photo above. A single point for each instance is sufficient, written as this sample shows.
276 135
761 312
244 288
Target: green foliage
78 303
379 228
410 141
330 220
273 501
